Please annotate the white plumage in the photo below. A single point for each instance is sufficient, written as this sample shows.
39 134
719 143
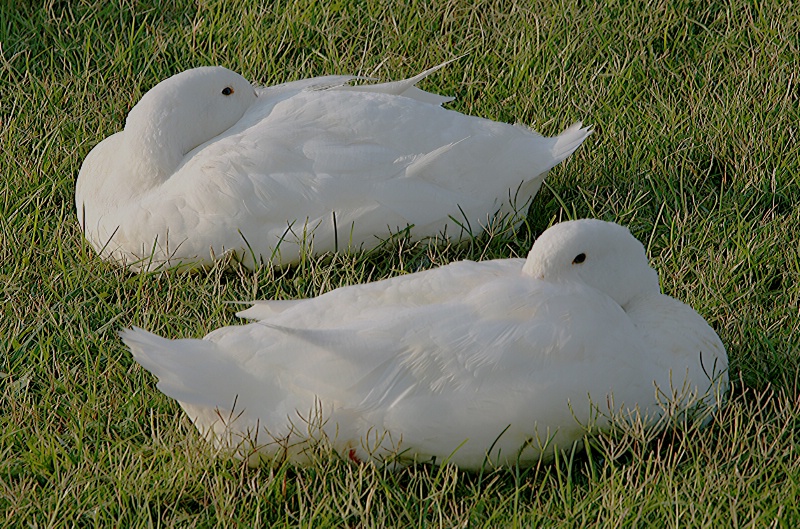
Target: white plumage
207 164
513 354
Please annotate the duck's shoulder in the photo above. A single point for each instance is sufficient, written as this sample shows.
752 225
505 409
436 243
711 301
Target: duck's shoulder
312 84
434 286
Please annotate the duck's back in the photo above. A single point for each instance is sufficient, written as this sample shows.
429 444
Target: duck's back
368 164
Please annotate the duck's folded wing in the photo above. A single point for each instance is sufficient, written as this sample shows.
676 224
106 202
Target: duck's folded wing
567 363
500 335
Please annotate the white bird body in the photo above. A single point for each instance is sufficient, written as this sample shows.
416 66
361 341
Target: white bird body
261 172
515 355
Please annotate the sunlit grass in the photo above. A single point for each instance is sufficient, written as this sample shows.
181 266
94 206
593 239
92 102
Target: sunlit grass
695 108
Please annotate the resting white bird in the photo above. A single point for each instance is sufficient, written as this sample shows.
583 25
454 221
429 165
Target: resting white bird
207 164
499 361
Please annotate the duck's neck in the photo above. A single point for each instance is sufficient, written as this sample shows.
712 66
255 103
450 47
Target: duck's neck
155 148
152 160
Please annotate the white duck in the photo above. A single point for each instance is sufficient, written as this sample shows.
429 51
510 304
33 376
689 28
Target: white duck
512 355
207 164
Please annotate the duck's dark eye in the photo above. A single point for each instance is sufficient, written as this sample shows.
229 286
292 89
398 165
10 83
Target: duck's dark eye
227 91
581 257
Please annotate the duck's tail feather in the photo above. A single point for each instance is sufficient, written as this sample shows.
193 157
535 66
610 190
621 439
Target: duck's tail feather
569 140
189 371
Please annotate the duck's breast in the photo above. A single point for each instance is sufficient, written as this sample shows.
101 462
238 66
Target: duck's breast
686 357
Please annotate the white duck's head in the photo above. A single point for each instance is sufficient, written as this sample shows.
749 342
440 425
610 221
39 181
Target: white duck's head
185 111
600 254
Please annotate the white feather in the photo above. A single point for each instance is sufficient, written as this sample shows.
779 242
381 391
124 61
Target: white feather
441 363
261 172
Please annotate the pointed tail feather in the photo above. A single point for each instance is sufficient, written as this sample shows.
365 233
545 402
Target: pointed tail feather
569 140
266 309
149 350
407 87
189 371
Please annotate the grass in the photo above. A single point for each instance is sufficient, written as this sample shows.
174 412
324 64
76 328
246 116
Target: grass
695 108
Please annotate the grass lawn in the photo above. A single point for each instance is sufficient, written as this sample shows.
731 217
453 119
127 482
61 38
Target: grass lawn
696 110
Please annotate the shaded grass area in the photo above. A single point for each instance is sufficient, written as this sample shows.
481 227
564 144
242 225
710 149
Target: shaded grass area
695 108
